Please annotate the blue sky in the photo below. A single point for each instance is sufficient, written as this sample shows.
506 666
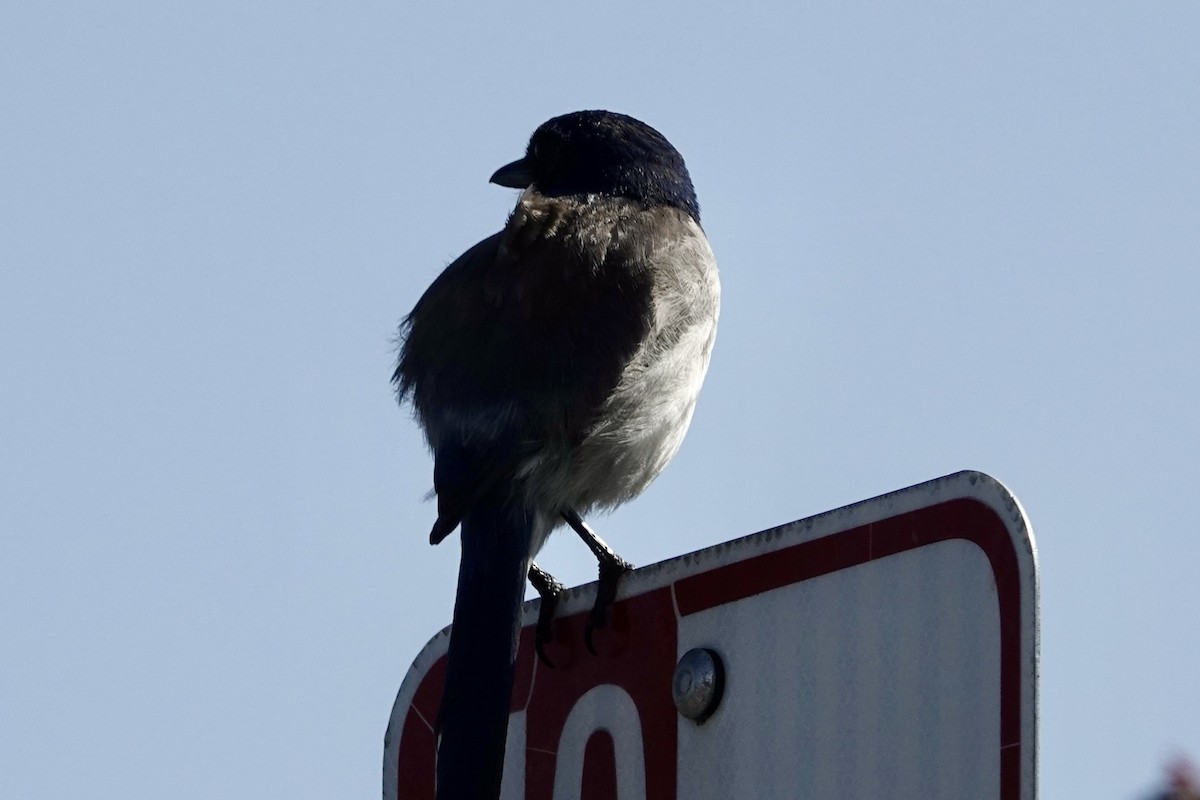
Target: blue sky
951 236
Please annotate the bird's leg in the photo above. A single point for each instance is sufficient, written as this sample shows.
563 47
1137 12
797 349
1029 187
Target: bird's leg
612 567
549 590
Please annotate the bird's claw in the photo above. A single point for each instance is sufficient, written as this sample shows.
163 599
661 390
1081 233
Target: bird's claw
550 590
542 634
610 576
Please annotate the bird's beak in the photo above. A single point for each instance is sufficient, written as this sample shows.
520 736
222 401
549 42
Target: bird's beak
514 176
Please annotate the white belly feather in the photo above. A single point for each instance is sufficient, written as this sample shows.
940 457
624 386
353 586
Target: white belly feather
645 419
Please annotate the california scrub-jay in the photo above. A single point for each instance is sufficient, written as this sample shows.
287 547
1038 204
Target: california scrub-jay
554 368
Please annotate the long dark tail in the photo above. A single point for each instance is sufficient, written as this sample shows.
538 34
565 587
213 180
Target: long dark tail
473 721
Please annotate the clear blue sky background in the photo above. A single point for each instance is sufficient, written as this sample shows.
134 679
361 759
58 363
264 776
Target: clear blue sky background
951 235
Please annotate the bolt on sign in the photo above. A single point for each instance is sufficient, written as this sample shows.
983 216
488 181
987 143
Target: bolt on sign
887 649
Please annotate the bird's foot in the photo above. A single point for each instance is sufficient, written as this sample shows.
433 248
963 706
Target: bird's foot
550 590
611 571
612 567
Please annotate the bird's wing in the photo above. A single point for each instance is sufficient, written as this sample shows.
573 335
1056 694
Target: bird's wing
517 345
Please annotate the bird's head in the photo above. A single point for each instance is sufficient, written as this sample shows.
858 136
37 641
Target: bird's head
603 153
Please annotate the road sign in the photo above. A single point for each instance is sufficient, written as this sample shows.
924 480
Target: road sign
887 649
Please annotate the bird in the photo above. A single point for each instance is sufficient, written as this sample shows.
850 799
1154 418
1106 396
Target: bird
554 368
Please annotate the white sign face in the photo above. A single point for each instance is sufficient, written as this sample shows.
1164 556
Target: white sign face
884 650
